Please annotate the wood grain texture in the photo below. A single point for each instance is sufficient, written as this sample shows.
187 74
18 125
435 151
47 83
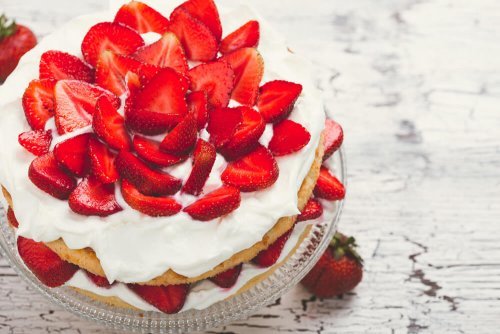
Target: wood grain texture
416 85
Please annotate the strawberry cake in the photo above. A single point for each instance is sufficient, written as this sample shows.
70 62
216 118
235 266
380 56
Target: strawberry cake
163 155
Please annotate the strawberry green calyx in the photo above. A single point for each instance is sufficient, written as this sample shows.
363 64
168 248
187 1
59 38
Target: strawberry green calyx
342 245
7 27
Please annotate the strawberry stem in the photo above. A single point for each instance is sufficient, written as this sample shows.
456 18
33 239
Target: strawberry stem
345 246
7 27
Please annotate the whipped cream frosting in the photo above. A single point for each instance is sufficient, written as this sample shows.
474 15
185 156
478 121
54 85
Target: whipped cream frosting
133 247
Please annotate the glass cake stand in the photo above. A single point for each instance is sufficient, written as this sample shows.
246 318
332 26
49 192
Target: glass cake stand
222 313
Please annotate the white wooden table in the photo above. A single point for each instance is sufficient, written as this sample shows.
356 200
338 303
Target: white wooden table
416 84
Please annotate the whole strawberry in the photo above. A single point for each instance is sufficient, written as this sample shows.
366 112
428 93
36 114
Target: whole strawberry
15 41
339 270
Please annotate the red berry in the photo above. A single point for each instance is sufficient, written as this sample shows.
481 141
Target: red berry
59 65
270 256
334 136
222 125
198 106
141 18
94 198
102 162
182 138
36 142
203 161
216 79
312 210
247 36
38 103
11 217
109 125
205 11
99 281
277 99
216 204
228 278
149 150
289 137
328 186
168 299
73 154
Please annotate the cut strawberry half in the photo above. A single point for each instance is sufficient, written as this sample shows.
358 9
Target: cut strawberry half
114 37
94 198
149 150
109 125
73 154
46 265
59 65
248 66
198 41
228 278
166 52
222 125
216 80
38 103
270 256
203 161
149 181
141 18
99 281
11 217
168 299
46 174
198 106
216 204
256 171
289 137
312 210
160 105
102 162
182 138
328 186
334 137
75 104
149 205
247 36
36 142
205 11
246 137
277 99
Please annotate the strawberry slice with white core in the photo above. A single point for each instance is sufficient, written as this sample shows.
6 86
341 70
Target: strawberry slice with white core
59 65
289 137
198 106
206 11
228 278
255 171
216 204
248 66
45 264
75 104
109 125
277 99
198 41
149 205
36 142
328 186
102 162
222 125
270 256
334 137
94 198
182 138
141 18
147 180
169 299
38 103
312 210
166 52
216 79
73 154
114 37
149 150
46 174
203 161
247 36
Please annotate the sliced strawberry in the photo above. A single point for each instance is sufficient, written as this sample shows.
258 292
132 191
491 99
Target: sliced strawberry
59 65
198 106
147 180
11 217
312 210
182 138
216 80
102 162
100 281
222 125
38 103
114 37
149 150
166 52
73 154
46 174
160 105
248 66
36 142
203 161
216 204
205 11
109 125
334 136
269 256
247 36
75 104
94 198
228 278
277 99
168 299
149 205
289 137
246 137
141 18
328 186
112 70
256 171
46 265
198 41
